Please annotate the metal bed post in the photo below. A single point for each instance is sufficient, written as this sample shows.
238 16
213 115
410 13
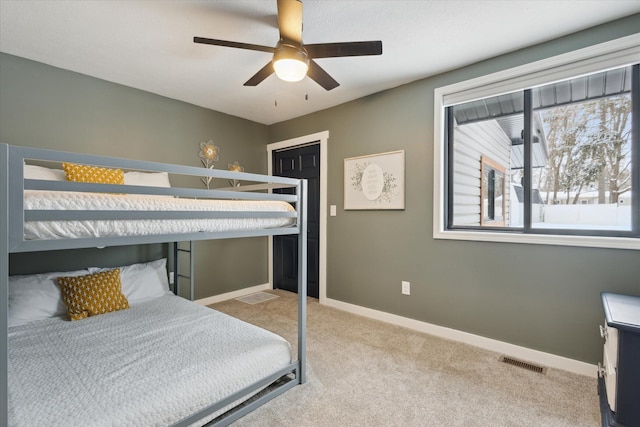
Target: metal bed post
4 283
301 207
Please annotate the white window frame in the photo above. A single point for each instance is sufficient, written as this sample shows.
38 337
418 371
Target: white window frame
613 54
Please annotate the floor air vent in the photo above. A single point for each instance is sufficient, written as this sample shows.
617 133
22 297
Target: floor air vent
257 297
521 364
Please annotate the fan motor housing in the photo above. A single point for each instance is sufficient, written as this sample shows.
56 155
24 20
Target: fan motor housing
289 51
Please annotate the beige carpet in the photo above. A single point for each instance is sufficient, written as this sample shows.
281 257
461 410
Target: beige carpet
362 372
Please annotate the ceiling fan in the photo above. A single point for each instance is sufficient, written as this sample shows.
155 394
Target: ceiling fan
292 60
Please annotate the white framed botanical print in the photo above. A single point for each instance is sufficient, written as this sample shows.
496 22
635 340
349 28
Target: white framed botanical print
375 181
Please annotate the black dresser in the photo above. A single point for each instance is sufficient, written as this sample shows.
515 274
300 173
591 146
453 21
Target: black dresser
619 372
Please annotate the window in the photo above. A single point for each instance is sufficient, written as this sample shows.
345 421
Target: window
552 161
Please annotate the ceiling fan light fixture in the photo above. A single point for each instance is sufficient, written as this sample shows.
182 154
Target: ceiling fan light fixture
290 63
292 60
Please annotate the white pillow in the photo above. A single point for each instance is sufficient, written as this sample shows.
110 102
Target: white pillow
36 297
40 172
148 179
142 282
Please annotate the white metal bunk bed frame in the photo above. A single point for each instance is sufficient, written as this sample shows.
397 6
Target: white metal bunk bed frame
13 184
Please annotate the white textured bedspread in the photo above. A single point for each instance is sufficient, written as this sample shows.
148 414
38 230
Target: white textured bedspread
150 365
60 200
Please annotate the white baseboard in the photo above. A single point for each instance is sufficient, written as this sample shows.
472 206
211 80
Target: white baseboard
234 294
523 353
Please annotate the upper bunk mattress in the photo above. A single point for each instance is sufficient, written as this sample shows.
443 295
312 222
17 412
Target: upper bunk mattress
62 200
150 365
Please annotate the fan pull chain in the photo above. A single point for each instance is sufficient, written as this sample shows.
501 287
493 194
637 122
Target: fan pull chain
306 91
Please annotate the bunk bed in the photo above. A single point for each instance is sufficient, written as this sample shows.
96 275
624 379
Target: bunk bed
134 393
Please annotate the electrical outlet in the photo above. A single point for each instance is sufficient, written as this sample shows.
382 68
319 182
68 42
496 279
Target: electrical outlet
171 278
406 288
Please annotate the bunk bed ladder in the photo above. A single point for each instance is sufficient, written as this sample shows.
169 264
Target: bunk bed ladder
178 276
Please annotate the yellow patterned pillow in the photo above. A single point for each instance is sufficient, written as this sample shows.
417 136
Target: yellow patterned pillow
93 294
93 174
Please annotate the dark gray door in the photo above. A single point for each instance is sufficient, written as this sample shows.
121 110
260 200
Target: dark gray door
302 162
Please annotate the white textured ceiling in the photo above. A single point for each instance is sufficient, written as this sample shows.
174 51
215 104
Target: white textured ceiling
148 44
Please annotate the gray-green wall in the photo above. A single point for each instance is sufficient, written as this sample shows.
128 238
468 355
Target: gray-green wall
44 106
541 297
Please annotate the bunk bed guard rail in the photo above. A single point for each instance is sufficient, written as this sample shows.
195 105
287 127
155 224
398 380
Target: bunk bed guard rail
13 186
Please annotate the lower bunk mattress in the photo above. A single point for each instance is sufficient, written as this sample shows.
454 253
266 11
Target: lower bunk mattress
150 365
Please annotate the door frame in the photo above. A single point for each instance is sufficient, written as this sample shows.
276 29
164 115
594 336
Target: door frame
323 139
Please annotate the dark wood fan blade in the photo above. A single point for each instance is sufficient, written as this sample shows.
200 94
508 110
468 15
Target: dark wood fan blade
320 76
333 50
290 20
233 44
258 77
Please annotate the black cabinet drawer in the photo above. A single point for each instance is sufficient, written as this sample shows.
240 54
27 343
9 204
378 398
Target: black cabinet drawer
619 376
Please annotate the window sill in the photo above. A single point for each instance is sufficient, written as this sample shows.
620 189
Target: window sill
541 239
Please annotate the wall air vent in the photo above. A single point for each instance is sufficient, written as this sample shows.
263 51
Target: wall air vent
522 364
